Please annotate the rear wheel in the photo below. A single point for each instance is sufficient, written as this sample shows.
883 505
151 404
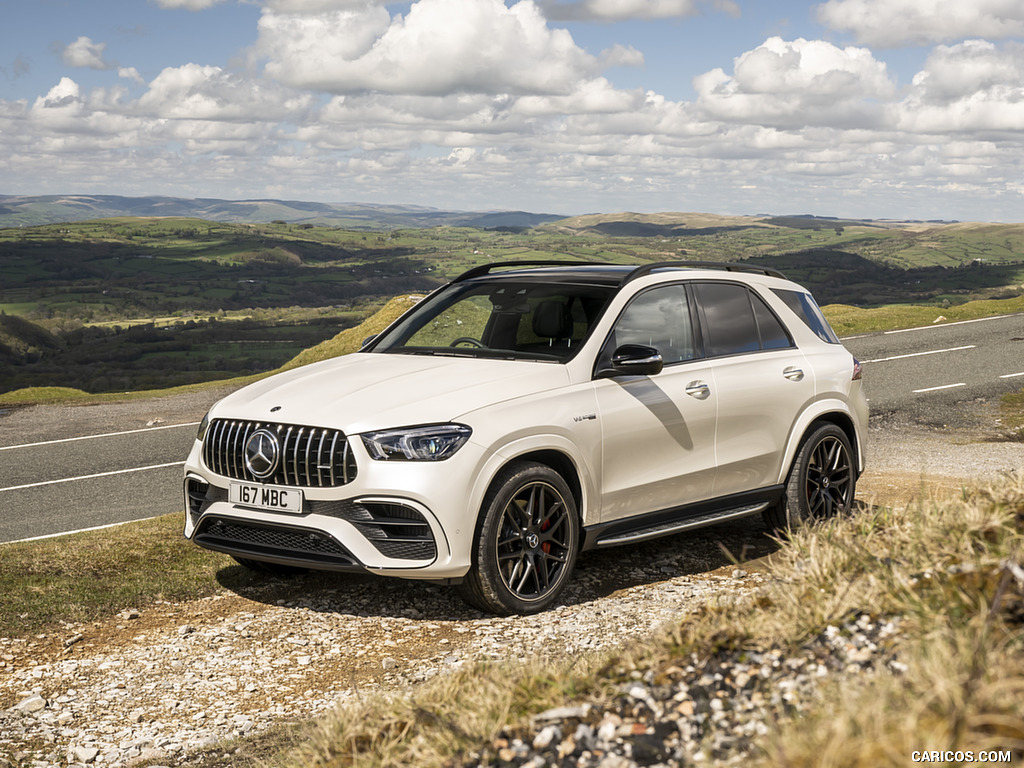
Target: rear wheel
821 483
526 542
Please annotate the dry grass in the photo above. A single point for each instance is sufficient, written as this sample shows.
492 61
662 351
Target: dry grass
95 574
442 719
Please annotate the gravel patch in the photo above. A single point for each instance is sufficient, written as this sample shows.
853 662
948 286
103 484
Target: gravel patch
710 710
178 678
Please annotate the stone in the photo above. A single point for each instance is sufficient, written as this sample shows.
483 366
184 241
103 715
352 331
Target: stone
33 703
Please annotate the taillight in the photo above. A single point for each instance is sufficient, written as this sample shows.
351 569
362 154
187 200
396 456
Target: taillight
858 370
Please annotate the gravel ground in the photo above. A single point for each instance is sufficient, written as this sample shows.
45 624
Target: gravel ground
172 680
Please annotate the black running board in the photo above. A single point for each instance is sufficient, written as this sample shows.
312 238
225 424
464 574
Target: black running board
669 522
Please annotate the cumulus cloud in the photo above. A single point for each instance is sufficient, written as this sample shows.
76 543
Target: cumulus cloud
210 93
130 73
621 10
439 47
85 53
973 86
797 83
618 10
894 23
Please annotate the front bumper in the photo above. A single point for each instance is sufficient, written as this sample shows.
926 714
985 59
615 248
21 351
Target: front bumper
387 520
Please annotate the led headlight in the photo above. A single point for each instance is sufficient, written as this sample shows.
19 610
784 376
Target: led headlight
433 443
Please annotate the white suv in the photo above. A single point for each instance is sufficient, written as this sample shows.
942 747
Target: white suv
518 416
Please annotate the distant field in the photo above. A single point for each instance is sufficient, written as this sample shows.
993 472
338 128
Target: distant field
169 273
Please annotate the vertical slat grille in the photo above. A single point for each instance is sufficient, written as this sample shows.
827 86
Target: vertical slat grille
312 457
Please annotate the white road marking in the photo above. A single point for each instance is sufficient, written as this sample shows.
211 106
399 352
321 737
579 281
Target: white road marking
918 354
93 437
933 389
91 477
947 325
1011 375
80 530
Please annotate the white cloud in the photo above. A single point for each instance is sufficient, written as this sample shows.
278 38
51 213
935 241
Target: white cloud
66 95
621 10
439 47
797 83
895 23
970 87
618 10
85 53
209 93
130 73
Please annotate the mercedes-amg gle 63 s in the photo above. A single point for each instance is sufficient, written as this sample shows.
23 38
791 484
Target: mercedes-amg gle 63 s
529 411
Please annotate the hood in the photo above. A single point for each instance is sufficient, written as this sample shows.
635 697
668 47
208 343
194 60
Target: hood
366 391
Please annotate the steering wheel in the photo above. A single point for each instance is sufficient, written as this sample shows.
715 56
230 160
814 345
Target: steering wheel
467 340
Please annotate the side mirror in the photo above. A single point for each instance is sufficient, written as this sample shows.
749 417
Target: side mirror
633 360
367 340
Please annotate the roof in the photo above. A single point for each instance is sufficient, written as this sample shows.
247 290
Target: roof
604 274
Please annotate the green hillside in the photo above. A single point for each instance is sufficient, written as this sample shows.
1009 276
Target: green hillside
119 303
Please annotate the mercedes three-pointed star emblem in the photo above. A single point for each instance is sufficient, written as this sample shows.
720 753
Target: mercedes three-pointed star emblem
262 453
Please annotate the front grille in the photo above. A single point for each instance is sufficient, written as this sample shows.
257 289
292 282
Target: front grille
312 457
243 538
395 530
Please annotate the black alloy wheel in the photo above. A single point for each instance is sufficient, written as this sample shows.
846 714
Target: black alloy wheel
527 542
829 478
821 484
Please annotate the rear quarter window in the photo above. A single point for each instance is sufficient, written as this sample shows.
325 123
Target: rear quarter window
806 308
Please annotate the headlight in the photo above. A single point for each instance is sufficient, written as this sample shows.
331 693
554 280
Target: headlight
434 443
203 426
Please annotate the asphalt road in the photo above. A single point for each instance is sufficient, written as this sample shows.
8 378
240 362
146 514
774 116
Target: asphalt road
67 469
937 375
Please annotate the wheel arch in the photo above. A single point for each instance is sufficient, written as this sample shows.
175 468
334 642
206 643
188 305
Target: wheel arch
836 416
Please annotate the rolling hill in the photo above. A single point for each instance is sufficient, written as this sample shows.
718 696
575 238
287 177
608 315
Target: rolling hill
29 210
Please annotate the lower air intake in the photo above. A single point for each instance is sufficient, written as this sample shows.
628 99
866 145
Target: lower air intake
282 543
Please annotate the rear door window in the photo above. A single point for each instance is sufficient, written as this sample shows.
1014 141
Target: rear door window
737 321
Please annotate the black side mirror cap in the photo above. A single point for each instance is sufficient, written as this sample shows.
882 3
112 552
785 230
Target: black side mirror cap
367 340
633 360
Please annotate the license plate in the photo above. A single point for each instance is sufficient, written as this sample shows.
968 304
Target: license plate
273 497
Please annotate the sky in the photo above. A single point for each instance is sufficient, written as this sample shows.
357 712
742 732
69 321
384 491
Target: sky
852 108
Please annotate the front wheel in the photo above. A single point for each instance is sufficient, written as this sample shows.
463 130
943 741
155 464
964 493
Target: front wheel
821 483
526 542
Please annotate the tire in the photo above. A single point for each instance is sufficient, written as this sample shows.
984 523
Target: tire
270 569
821 483
526 542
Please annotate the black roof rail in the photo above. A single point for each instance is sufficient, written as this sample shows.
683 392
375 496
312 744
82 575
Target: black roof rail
485 269
728 266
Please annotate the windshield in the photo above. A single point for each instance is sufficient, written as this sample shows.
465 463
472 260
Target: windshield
513 320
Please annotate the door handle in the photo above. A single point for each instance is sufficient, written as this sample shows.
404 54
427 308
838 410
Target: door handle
793 373
698 389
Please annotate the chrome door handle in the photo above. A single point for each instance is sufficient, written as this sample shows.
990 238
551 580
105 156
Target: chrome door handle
698 389
793 373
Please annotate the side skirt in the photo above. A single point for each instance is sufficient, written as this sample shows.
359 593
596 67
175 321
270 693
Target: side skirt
683 518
